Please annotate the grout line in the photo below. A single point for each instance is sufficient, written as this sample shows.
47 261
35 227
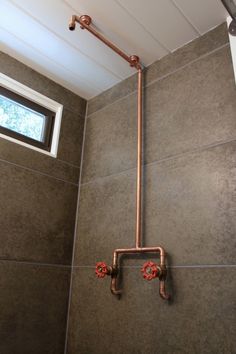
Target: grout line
35 263
75 231
194 150
68 163
37 172
157 162
90 116
69 109
188 64
170 267
162 77
97 179
204 266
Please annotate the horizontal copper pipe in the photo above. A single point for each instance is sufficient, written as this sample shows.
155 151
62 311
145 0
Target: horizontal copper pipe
85 22
139 250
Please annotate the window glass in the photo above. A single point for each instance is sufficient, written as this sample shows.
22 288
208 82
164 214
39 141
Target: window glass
23 120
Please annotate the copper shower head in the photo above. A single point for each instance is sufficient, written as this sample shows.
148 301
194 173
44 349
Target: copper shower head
72 23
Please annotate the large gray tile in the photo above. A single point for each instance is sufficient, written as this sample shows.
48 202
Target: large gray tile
110 141
37 161
37 216
190 205
33 306
189 209
199 319
191 108
188 53
29 77
71 137
186 110
106 218
118 91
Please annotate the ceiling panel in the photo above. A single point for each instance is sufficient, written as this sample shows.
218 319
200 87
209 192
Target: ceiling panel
36 33
204 14
163 20
83 41
124 30
14 46
49 45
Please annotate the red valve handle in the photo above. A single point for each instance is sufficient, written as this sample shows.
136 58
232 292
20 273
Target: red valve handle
101 270
150 270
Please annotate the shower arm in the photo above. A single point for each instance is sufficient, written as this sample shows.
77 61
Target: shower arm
102 269
85 22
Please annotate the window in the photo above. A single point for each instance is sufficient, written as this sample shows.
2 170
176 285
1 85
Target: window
28 118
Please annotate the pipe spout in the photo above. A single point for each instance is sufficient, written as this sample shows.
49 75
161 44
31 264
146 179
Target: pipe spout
162 290
114 289
72 23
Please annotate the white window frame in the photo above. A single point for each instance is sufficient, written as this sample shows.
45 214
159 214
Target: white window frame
42 100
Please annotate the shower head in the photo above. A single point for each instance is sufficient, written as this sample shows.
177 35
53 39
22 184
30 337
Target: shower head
72 23
230 6
83 20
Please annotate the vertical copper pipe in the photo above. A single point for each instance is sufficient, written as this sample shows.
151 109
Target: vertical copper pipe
139 164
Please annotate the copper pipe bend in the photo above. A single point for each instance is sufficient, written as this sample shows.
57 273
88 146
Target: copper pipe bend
162 290
114 289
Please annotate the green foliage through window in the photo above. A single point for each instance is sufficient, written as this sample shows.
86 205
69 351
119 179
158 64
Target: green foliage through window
20 119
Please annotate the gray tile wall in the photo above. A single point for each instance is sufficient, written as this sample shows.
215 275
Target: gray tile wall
189 209
38 210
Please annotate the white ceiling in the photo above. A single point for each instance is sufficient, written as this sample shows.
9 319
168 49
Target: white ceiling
36 33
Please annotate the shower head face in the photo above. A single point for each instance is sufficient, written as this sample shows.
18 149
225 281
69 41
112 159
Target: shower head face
72 23
230 6
71 27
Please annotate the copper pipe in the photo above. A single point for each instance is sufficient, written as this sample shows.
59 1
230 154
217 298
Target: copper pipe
85 22
162 290
114 286
139 250
158 249
133 60
139 164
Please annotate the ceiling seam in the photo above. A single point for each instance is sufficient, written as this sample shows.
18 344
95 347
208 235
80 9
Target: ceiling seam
48 58
64 40
181 11
145 29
